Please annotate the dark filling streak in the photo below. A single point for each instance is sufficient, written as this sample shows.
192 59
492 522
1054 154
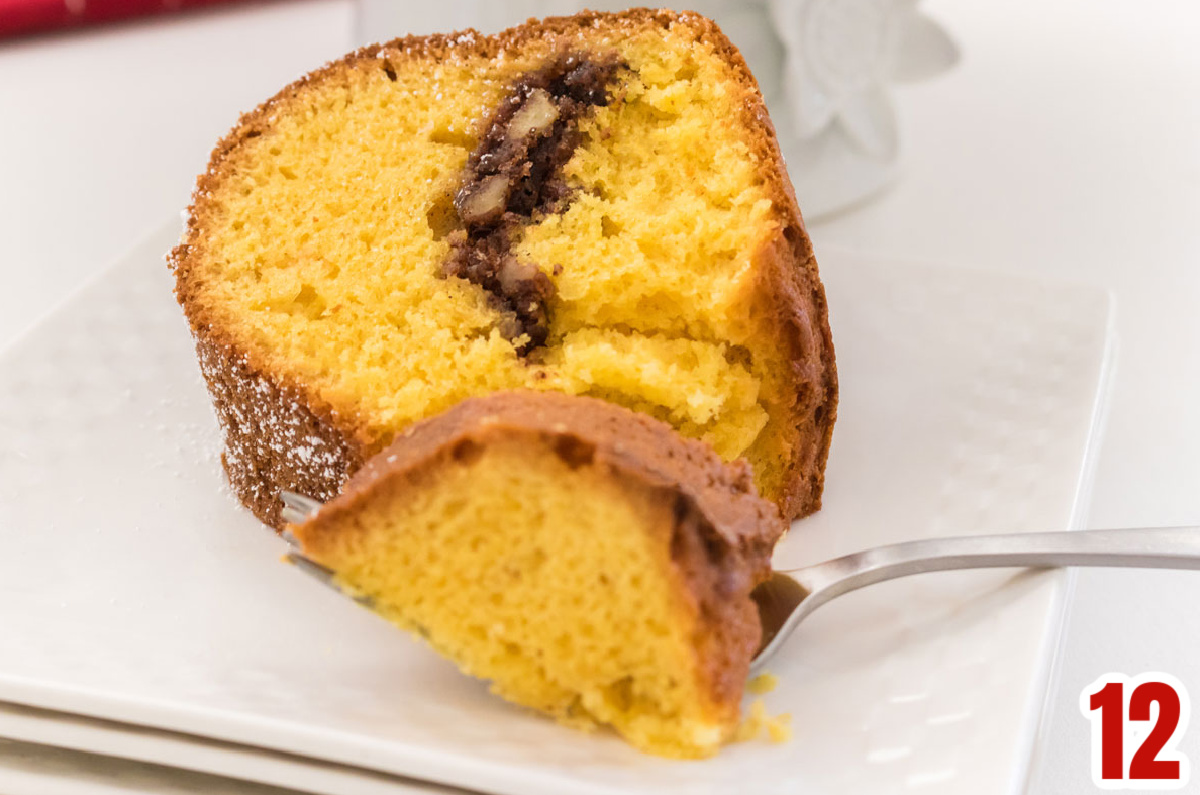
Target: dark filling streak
516 172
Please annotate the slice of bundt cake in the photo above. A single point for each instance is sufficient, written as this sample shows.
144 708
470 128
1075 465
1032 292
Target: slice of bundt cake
593 205
586 559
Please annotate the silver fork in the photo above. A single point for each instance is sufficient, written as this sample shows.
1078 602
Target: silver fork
788 597
298 509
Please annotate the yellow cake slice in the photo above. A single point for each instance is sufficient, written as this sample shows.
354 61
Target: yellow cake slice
587 560
593 205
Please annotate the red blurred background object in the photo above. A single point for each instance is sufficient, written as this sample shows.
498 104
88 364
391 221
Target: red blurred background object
18 17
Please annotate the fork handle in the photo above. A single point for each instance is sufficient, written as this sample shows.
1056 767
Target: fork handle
1148 548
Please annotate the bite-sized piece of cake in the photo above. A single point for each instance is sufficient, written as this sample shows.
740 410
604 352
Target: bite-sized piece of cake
592 205
586 559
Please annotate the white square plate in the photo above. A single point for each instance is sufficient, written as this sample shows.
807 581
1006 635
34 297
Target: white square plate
133 588
61 753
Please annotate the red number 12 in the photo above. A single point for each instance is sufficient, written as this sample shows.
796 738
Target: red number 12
1107 695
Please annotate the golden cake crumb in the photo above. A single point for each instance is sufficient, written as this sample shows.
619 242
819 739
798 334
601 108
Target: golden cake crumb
757 723
762 684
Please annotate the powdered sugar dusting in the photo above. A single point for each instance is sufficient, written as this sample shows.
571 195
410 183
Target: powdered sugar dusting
273 440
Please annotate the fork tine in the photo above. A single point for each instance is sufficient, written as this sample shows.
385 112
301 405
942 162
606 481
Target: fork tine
325 577
298 509
293 515
300 504
311 568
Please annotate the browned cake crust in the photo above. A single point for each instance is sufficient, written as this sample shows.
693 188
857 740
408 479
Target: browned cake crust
724 532
266 417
